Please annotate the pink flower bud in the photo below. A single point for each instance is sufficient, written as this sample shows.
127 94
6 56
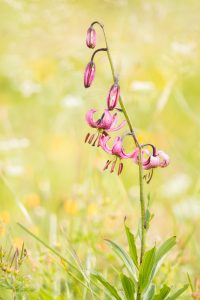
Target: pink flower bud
89 74
91 38
113 96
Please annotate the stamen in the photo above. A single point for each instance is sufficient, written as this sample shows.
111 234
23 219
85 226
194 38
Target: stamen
113 166
150 175
107 164
87 137
120 168
91 138
94 143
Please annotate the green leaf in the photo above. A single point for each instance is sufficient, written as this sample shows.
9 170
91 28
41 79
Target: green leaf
124 257
111 289
146 268
128 286
165 247
132 246
178 293
165 290
162 251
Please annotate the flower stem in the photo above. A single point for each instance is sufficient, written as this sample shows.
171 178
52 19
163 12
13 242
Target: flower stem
141 182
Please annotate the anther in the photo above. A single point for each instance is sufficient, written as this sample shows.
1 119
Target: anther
106 165
120 168
91 139
87 136
113 166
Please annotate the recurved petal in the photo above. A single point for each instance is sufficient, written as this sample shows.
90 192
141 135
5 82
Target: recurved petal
117 147
164 159
106 121
103 143
89 118
123 123
152 162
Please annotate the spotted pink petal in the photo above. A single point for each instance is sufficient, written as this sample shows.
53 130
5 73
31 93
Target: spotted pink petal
106 121
116 128
136 156
117 147
89 118
164 159
152 162
103 143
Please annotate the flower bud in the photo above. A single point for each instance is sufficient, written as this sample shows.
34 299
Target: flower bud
113 96
91 38
89 74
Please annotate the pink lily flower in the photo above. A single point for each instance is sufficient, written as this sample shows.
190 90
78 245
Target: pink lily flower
89 74
91 37
154 160
107 121
113 96
117 148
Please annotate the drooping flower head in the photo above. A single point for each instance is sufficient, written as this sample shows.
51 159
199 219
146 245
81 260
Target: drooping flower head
116 149
106 123
89 74
153 160
91 37
113 96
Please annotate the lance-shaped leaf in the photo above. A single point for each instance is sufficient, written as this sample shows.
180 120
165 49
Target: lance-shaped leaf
146 268
128 286
165 247
178 293
125 258
110 288
131 244
165 290
162 251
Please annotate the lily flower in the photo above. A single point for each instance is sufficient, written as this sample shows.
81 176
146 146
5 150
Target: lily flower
107 123
154 160
117 150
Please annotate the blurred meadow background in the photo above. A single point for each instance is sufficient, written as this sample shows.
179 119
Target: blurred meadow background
51 182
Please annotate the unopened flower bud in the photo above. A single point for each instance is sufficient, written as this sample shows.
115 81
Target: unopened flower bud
113 96
91 38
89 74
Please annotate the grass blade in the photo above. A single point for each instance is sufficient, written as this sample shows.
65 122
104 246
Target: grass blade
125 258
178 293
111 289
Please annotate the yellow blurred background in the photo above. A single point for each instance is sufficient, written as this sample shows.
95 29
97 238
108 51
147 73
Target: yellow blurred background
50 180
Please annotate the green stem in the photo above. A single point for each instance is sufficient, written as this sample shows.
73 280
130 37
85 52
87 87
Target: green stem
142 200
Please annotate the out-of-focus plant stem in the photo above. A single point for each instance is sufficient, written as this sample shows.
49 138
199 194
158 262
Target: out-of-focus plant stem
141 182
